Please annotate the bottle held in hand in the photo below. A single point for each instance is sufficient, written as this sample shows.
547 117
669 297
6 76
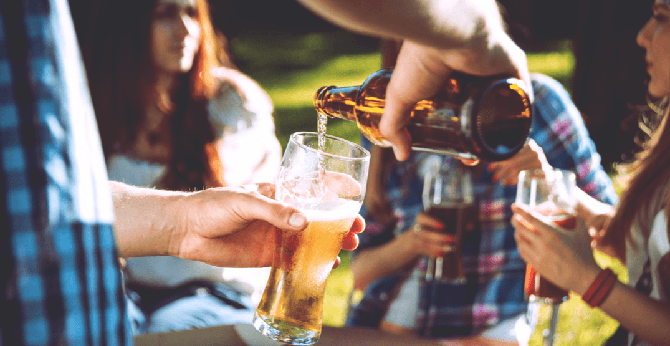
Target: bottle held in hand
472 117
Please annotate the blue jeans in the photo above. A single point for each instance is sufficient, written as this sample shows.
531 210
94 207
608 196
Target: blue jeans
188 307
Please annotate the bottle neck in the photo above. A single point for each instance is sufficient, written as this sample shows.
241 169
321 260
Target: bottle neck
337 102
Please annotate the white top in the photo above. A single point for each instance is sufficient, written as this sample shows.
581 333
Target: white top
638 251
404 308
250 153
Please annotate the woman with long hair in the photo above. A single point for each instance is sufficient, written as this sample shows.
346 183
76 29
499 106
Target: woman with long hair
175 114
636 231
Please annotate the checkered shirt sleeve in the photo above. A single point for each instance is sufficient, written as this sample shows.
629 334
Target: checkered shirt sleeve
61 283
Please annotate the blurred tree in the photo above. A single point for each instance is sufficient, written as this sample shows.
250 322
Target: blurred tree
610 72
236 17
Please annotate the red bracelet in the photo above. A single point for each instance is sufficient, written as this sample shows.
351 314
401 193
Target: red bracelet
605 290
595 285
600 288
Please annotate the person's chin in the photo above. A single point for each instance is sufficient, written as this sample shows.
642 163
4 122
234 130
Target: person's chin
656 91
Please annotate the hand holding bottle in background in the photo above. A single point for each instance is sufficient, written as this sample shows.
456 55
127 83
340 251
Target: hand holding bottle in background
426 69
439 37
471 117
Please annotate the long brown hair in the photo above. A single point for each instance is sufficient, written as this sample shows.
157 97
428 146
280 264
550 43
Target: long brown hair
122 80
647 190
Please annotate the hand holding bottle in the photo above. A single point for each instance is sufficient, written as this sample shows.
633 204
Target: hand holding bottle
439 37
471 117
421 71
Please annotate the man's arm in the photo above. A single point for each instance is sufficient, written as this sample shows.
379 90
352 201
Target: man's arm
137 222
440 24
224 226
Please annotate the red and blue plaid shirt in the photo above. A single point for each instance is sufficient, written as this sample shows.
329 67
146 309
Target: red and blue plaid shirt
494 269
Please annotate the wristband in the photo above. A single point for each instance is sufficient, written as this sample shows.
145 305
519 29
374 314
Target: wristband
600 288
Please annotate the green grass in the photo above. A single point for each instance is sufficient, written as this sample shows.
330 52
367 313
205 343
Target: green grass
291 68
579 324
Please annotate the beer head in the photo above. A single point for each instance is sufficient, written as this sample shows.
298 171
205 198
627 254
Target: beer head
314 174
336 210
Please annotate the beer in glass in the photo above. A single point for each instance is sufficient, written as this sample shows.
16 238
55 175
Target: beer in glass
328 186
448 196
552 194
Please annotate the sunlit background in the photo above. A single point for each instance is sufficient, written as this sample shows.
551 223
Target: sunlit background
293 67
588 45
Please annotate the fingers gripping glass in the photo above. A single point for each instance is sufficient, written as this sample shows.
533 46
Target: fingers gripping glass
448 197
327 185
552 194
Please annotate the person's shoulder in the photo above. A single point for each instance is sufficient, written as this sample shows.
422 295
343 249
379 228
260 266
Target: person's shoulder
244 84
543 85
231 75
552 100
236 85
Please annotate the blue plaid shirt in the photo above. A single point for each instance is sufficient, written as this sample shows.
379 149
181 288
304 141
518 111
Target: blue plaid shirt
61 283
494 269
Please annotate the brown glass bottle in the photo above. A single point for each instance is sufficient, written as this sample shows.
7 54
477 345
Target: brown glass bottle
471 117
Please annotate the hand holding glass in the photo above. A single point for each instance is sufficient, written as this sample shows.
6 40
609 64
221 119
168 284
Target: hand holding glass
448 197
328 185
552 194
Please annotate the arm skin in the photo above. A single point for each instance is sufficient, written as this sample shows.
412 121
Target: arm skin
226 227
399 253
567 260
443 24
439 37
597 216
377 262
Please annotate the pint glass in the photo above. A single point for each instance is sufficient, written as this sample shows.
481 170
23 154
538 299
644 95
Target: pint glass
551 193
448 197
327 183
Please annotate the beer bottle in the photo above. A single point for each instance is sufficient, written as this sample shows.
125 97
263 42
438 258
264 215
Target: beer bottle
476 118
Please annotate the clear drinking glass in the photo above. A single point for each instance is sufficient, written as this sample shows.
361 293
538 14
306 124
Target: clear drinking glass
552 194
328 185
448 197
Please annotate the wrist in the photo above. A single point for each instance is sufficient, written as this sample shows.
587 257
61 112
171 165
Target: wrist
600 288
407 246
175 225
145 220
583 280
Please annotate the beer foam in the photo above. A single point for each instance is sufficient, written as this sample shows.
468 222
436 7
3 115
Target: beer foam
332 212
